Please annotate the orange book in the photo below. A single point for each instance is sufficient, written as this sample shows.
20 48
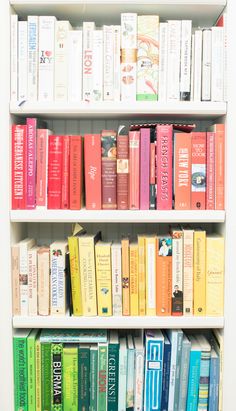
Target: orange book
219 130
125 276
183 142
164 275
198 179
76 177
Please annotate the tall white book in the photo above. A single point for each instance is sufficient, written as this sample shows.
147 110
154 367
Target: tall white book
206 65
24 246
108 63
192 68
46 58
14 57
217 58
75 45
185 61
163 55
116 66
33 280
97 65
22 60
197 66
116 279
62 29
33 29
128 56
88 28
173 69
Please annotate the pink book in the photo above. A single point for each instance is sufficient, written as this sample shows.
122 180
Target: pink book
65 179
144 168
164 166
210 177
134 143
31 162
42 167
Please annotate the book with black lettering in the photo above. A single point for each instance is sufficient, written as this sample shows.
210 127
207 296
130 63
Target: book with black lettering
56 376
84 377
113 371
20 369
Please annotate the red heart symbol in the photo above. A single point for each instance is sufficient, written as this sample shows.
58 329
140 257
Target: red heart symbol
48 53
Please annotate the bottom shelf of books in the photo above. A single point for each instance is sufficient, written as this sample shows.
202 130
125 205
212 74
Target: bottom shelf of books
101 370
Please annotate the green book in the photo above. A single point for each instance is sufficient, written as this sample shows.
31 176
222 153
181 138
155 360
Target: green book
46 376
73 336
113 371
102 376
83 374
56 377
20 370
31 354
70 378
93 376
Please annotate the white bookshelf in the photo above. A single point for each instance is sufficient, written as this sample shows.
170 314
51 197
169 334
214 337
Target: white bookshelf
85 117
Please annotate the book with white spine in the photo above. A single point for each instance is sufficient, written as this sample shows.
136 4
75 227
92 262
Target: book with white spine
163 54
46 58
108 63
206 65
192 68
58 282
24 246
185 63
88 28
117 46
197 66
128 56
22 60
97 63
217 58
116 279
33 280
75 45
14 57
33 28
173 69
139 374
62 29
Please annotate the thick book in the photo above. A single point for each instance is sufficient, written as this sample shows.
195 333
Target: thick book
219 130
76 172
20 370
164 166
43 280
33 32
18 167
134 170
97 66
197 69
108 63
92 171
177 272
144 168
70 377
73 244
75 45
116 265
199 272
56 377
102 376
113 371
214 275
46 58
42 167
83 376
206 65
103 278
14 62
150 263
139 358
31 357
218 63
163 56
166 373
22 60
210 171
31 144
163 275
182 170
198 178
122 172
141 275
62 29
134 280
125 276
55 146
109 172
58 251
173 58
65 177
214 381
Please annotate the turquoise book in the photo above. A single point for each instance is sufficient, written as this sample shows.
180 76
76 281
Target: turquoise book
20 370
204 373
31 354
93 375
130 374
122 374
194 374
113 371
214 381
184 372
83 376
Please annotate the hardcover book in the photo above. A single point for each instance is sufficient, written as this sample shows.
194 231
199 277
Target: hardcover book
219 131
198 179
214 275
88 28
177 272
144 168
83 376
199 272
62 29
43 281
125 276
150 253
70 377
134 281
20 370
55 146
76 173
116 264
182 170
109 173
164 166
65 179
18 166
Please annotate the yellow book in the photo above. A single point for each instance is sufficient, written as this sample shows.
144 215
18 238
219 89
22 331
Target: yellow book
103 273
199 272
38 373
150 251
125 275
73 243
88 273
133 267
141 275
214 275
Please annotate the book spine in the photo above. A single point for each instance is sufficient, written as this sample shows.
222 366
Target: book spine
192 68
88 276
117 46
144 168
22 60
19 164
220 167
65 180
88 28
130 380
76 164
70 378
134 169
92 164
152 177
102 376
217 58
163 276
46 58
54 171
33 31
109 174
197 81
116 280
14 57
215 276
108 63
58 283
33 281
163 56
185 59
122 379
182 171
153 374
142 275
134 285
15 267
31 163
164 167
128 56
93 378
198 188
214 385
103 277
177 274
43 282
173 368
188 272
61 61
210 173
150 252
122 172
56 376
113 377
75 47
184 372
173 65
206 65
125 276
24 298
199 273
97 65
166 377
46 380
139 380
31 371
20 374
193 381
178 365
204 380
38 375
75 276
41 168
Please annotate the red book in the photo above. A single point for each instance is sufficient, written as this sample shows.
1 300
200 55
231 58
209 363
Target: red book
76 172
198 179
19 164
219 130
65 183
42 167
210 174
55 145
183 159
134 171
164 166
122 172
31 162
92 165
109 174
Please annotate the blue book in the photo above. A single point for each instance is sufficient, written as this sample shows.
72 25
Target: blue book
194 374
154 342
214 381
184 372
176 338
204 372
166 374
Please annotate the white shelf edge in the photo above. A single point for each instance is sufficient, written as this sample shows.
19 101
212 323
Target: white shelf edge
118 216
117 322
136 2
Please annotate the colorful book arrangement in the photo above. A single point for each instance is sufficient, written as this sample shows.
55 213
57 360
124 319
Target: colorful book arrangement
149 166
140 59
180 273
71 370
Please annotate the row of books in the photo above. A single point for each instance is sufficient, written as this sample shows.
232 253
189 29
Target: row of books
181 273
149 166
73 370
141 59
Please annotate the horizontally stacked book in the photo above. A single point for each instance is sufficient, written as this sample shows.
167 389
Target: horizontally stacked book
73 370
141 59
146 167
181 273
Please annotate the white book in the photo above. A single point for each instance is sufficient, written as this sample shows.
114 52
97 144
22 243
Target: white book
128 56
22 60
185 62
14 57
188 271
46 58
173 69
130 373
75 40
175 338
139 373
44 281
206 65
88 28
108 63
197 66
129 23
192 66
217 59
24 245
62 29
58 282
163 54
116 65
97 63
123 356
33 29
33 280
116 279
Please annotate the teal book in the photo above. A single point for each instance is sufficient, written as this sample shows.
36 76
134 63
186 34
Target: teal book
122 374
20 370
130 374
194 374
214 381
113 372
102 376
31 354
70 377
73 336
46 376
93 376
203 394
176 338
83 376
184 371
56 377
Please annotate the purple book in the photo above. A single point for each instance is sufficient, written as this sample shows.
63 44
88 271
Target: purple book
144 168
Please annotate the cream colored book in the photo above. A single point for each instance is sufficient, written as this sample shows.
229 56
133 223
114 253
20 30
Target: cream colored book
103 276
24 245
150 251
58 251
43 281
188 271
116 279
215 275
33 280
199 273
15 269
62 29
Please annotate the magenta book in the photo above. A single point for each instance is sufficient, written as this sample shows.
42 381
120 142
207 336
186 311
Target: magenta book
164 166
31 162
144 168
134 147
